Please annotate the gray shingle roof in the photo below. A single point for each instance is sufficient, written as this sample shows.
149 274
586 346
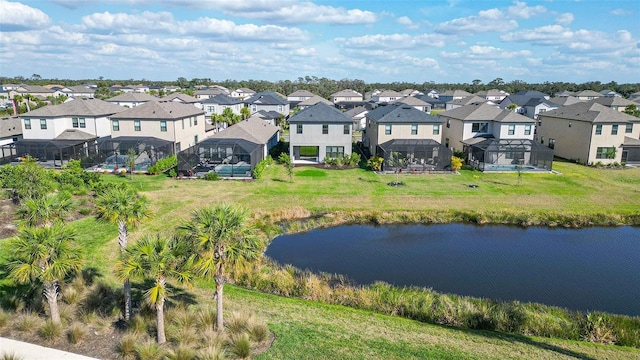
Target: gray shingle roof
485 112
299 93
266 98
388 93
222 99
401 113
183 97
253 129
133 97
356 111
36 89
320 113
10 126
215 91
473 99
455 93
565 100
159 111
591 112
588 93
77 107
75 134
413 101
613 101
314 100
346 92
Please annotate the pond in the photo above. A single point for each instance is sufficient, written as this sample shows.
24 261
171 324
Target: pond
580 269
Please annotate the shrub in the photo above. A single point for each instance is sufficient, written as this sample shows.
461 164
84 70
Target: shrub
456 163
240 346
50 330
10 356
258 332
126 348
28 322
182 353
262 165
149 350
599 329
211 176
375 163
212 352
76 333
237 323
4 318
163 165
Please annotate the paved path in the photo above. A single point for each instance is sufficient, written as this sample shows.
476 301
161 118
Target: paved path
26 351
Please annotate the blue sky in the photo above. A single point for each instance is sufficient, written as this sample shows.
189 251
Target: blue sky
373 40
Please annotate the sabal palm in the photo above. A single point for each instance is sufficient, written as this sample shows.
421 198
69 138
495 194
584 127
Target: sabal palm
125 207
44 210
224 239
158 258
47 255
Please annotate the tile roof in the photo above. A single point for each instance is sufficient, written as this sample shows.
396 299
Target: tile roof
401 113
133 97
321 113
160 111
590 112
77 107
486 112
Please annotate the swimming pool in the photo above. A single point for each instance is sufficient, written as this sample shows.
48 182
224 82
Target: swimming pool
527 168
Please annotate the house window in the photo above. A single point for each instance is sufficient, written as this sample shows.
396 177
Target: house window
541 139
74 122
335 151
211 109
414 129
479 127
552 143
527 129
136 125
27 124
387 129
195 120
599 129
605 153
43 124
299 129
512 129
163 125
254 108
182 123
436 129
280 108
628 128
83 123
446 143
614 129
448 123
115 125
325 129
542 110
347 129
195 139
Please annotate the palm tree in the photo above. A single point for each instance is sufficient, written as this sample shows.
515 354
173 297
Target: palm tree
123 206
223 239
44 210
160 259
47 255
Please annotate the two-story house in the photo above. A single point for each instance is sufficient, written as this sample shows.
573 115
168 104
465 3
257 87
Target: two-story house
242 93
318 132
131 99
590 132
495 95
299 96
450 95
416 102
183 98
267 101
473 99
183 125
401 129
216 105
347 95
386 96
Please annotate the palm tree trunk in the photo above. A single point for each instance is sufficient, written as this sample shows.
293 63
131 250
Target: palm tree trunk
160 321
122 241
219 318
51 293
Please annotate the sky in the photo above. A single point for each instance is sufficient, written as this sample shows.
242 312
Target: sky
418 41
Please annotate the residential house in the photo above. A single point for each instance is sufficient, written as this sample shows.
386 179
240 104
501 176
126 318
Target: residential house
494 139
472 99
494 95
386 96
359 117
615 102
411 92
432 93
209 93
347 95
268 101
522 98
132 99
234 152
591 132
140 88
371 93
435 103
80 91
270 117
564 100
242 93
416 102
216 105
588 95
536 106
634 96
400 130
451 95
65 131
183 98
10 132
182 125
610 93
298 96
312 101
566 93
318 132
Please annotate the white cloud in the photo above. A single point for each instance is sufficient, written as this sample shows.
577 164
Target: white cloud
15 16
620 12
305 51
130 23
486 52
564 19
522 11
394 41
492 20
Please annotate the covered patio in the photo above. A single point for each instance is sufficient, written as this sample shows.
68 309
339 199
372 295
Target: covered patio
507 155
414 155
229 158
113 152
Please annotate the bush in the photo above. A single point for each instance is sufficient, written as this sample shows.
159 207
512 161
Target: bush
456 163
163 165
76 333
211 176
50 330
262 165
375 163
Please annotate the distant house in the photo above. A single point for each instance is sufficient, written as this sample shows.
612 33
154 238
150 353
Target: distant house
268 101
182 125
453 95
411 92
318 132
564 100
494 95
523 100
536 106
400 130
81 91
359 117
66 131
270 117
432 93
588 95
10 133
386 96
346 95
299 96
209 93
242 93
312 101
473 99
610 93
416 103
566 93
131 99
590 132
234 152
615 102
215 105
634 96
183 98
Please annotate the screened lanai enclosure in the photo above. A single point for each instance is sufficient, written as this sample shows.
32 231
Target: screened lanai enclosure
414 155
55 153
229 158
113 153
508 155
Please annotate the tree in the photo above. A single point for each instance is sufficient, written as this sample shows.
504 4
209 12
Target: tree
44 210
160 259
223 240
123 206
47 255
285 160
632 110
245 113
229 117
397 161
131 161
